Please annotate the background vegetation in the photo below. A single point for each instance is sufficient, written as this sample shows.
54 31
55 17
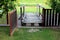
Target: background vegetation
55 4
6 6
9 5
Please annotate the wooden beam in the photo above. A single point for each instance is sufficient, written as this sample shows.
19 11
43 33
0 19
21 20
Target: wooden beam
4 25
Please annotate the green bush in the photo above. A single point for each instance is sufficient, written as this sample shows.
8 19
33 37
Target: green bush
7 5
55 4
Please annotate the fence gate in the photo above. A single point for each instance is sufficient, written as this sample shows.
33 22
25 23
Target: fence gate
12 21
51 17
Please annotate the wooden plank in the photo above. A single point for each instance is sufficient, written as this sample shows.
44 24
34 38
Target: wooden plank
44 12
51 17
4 25
40 27
46 17
57 24
54 18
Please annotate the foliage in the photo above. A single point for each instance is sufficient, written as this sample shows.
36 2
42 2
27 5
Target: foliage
5 5
55 4
58 6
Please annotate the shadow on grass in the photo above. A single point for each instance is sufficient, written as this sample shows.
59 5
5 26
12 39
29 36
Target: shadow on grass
4 30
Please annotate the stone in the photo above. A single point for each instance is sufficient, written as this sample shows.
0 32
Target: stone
33 30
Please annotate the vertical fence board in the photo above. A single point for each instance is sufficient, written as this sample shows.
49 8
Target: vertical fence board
44 11
51 17
57 19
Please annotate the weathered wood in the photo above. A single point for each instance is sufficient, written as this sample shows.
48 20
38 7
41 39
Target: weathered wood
51 19
13 21
4 25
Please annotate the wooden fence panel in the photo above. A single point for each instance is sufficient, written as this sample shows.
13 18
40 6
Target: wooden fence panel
12 21
51 17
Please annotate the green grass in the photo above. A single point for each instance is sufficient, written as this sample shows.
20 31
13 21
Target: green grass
33 2
22 34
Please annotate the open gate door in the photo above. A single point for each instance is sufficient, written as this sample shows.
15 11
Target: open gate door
12 21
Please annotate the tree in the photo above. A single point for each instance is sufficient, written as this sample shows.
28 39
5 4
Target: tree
58 6
55 4
6 5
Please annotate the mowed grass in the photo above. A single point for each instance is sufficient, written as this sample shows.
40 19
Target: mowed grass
23 34
42 3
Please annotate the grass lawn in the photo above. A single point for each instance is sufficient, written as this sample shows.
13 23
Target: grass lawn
32 2
22 34
43 3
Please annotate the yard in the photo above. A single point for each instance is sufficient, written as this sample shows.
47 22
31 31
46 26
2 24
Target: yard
23 34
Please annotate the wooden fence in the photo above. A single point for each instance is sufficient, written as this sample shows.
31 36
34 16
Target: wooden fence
51 17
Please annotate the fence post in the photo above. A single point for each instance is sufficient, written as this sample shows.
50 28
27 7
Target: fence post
51 15
23 10
57 24
50 18
39 10
44 11
21 15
